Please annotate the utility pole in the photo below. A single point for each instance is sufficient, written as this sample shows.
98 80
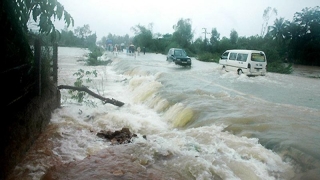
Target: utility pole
205 35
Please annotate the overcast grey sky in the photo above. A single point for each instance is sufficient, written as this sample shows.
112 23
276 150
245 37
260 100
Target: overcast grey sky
117 17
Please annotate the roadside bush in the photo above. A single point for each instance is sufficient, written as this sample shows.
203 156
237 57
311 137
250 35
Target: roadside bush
95 53
209 57
275 64
279 67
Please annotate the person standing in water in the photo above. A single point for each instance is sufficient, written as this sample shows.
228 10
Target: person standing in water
138 50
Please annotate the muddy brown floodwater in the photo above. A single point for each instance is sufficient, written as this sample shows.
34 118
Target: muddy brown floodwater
116 162
306 71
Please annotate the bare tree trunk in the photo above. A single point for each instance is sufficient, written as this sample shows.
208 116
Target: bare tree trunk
85 89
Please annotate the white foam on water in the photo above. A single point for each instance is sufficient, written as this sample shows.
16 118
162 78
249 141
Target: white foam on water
207 152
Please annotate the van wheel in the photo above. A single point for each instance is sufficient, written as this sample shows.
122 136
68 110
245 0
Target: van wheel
240 72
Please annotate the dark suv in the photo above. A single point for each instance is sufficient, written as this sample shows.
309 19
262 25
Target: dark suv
179 57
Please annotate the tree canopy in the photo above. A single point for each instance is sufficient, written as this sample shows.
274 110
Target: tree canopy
183 33
143 36
15 16
41 12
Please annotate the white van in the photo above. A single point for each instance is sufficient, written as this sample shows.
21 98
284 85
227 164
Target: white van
250 62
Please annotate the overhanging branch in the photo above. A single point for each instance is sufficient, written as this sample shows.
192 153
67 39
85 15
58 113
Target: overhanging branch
85 89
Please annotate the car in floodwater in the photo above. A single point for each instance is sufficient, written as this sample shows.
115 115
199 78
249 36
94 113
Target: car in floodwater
250 62
179 57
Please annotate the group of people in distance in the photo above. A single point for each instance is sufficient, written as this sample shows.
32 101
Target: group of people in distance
130 50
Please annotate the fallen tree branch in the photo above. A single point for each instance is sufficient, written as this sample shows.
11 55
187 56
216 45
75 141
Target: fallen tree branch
85 89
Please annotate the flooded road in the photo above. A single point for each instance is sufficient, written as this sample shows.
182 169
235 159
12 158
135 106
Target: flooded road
200 123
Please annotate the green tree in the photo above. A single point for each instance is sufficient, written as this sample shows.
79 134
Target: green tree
165 43
307 18
143 36
279 31
85 36
16 15
83 32
214 40
293 36
252 42
67 38
91 40
42 12
305 37
197 45
225 44
234 37
183 33
215 36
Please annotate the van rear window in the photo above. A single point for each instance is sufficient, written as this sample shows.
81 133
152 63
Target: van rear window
258 57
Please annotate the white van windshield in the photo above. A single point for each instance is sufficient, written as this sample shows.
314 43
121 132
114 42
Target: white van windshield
258 57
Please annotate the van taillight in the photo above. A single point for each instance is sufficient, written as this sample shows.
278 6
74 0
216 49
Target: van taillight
249 66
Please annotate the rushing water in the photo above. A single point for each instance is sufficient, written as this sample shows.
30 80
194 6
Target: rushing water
200 123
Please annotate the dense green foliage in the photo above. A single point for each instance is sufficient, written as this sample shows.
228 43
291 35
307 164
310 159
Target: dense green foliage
304 37
42 12
183 33
93 57
143 36
80 37
209 57
16 17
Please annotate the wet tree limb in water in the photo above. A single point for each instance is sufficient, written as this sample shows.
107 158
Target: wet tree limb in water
85 89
